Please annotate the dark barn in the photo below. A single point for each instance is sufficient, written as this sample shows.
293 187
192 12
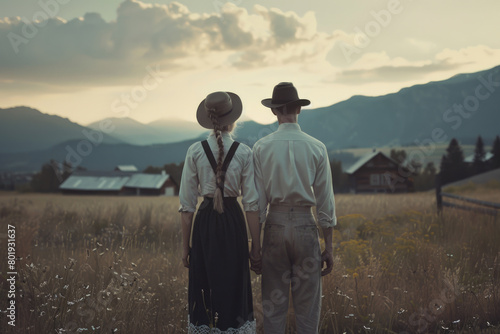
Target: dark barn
119 183
376 172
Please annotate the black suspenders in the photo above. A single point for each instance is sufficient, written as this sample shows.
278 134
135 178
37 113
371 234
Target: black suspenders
225 164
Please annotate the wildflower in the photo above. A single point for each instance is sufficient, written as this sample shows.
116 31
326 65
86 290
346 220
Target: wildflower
355 275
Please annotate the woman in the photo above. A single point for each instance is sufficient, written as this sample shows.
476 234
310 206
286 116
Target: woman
220 295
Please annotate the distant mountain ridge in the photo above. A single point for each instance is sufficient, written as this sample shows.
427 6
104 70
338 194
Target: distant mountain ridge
407 117
462 107
157 132
23 129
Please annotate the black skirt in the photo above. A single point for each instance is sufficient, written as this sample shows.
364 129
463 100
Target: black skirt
220 292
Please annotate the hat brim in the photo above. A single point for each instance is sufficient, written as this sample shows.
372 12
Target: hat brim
300 102
206 122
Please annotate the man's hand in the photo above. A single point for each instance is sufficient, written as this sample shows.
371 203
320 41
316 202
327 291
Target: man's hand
256 259
185 257
327 257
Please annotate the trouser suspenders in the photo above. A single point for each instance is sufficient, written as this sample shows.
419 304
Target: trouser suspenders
225 164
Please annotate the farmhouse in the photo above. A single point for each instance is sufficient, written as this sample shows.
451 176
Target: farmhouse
376 172
119 183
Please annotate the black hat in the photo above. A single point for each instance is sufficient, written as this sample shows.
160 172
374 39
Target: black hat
284 93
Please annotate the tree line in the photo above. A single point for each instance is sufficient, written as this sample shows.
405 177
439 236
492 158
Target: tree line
453 167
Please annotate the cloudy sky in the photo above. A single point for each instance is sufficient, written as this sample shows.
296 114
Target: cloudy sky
91 59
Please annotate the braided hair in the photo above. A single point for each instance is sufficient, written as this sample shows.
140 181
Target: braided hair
219 174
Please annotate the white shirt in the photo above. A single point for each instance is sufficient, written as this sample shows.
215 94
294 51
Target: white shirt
292 168
198 177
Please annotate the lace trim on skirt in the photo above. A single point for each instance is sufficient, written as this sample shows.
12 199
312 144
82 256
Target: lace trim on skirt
249 327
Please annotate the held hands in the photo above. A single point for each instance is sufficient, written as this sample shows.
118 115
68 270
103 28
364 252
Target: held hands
185 257
256 259
327 258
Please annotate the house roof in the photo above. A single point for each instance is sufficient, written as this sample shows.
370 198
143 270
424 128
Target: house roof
150 181
126 168
487 156
94 183
112 181
364 159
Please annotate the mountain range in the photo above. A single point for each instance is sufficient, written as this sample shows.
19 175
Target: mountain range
157 132
463 107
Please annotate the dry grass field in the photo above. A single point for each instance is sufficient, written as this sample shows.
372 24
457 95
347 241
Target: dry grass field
90 264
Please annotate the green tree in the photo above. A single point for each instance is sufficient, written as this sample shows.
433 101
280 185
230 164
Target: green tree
426 180
495 160
175 171
398 155
479 165
453 167
172 169
339 178
48 179
153 170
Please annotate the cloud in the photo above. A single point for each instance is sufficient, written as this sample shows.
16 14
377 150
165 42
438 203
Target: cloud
485 55
380 67
91 51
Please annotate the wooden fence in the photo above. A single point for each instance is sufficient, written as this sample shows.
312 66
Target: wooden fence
489 208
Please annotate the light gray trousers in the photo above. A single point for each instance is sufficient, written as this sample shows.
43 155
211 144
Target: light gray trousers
291 262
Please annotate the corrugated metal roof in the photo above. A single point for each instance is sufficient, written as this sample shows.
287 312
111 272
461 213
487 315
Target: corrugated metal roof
101 173
487 156
127 168
94 183
150 181
364 159
112 181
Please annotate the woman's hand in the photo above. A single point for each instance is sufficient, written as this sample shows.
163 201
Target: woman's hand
255 252
187 219
185 257
256 259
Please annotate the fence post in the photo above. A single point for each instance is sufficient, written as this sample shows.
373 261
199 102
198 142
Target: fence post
439 197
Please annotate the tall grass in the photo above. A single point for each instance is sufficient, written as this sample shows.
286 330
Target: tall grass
109 264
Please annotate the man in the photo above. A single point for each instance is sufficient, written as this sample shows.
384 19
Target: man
293 174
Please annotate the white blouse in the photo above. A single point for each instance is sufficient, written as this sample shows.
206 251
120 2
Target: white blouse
198 177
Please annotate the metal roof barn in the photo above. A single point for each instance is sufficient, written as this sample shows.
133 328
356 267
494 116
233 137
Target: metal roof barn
96 183
118 183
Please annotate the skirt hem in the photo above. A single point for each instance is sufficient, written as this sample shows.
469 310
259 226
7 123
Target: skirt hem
249 327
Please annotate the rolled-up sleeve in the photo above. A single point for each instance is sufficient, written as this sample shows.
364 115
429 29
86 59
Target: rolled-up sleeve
188 192
259 184
323 191
250 197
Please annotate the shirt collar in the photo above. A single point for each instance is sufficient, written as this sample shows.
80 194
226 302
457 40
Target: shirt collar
289 127
225 134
